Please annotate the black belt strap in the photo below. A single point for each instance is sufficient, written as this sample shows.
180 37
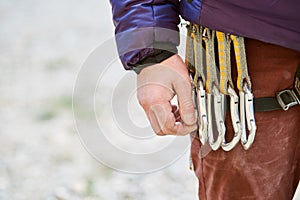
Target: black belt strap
266 104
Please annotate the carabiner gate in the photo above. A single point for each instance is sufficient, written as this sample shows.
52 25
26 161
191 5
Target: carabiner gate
202 113
219 116
235 118
251 124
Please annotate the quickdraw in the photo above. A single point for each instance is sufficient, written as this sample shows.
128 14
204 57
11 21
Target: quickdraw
246 96
227 88
195 42
212 85
210 92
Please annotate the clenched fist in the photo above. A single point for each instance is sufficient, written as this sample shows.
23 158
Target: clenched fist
157 85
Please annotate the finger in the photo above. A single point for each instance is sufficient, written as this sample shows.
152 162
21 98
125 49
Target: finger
154 123
167 122
183 129
183 89
165 117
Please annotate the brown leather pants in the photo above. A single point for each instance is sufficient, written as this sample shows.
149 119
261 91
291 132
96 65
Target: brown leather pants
270 169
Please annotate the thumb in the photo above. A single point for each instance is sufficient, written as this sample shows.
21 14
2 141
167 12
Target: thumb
183 90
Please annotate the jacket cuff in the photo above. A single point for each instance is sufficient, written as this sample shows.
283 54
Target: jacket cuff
157 57
161 52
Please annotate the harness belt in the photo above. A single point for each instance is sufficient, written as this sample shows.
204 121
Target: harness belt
284 99
266 104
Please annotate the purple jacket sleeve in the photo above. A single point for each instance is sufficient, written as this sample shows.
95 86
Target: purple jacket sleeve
143 26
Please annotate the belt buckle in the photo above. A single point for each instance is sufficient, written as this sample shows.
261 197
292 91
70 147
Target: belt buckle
287 99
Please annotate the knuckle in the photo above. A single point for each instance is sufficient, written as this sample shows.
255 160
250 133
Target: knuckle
184 81
187 105
142 100
146 100
142 97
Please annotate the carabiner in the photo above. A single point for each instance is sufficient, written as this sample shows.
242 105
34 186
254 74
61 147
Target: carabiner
219 116
251 124
235 118
202 113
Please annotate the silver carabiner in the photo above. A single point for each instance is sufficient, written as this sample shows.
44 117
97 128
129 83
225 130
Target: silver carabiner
251 124
235 118
194 97
219 116
202 113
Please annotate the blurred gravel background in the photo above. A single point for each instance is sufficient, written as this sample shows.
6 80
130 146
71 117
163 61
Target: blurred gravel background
42 46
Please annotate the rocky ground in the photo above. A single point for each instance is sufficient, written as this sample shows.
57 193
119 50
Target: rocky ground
42 47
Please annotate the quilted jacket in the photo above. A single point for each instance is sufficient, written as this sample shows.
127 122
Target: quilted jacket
141 25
